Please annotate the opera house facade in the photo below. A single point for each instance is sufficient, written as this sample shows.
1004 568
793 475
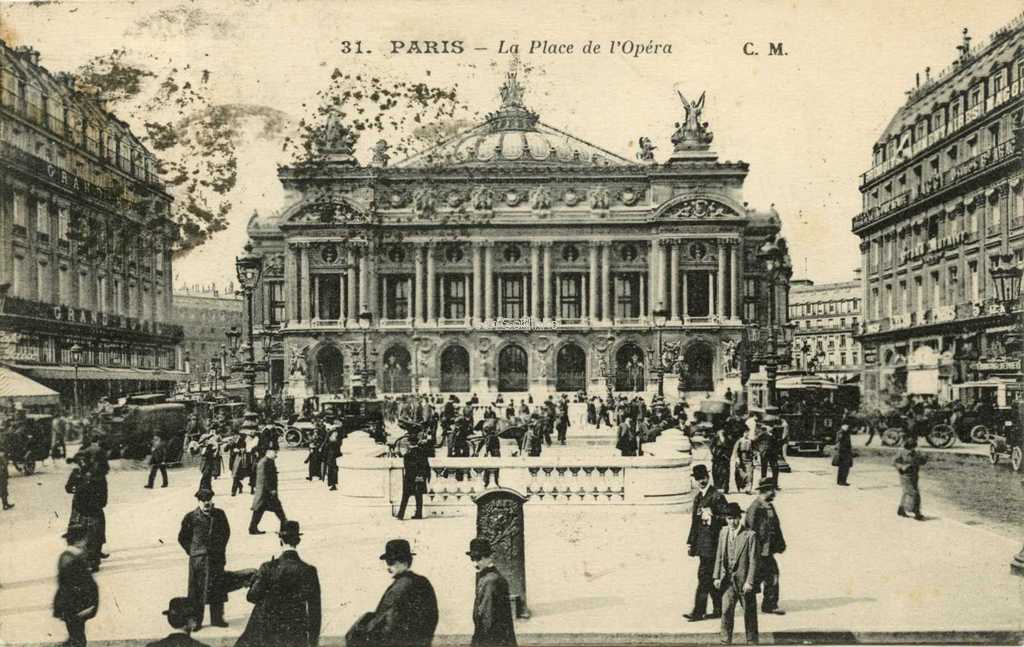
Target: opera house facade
512 258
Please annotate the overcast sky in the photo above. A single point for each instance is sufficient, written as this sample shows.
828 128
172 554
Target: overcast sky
805 122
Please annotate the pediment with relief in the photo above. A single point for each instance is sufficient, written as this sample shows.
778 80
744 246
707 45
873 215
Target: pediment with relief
336 212
698 209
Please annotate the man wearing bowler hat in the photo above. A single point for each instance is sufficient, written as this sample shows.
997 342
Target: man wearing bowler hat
493 625
735 573
407 613
180 615
286 592
764 522
78 597
707 520
204 536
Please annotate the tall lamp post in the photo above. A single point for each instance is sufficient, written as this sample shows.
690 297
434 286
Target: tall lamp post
1006 275
365 321
778 271
76 358
249 267
660 315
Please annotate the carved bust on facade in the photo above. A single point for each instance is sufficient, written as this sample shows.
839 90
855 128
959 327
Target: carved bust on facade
482 198
423 200
540 198
599 198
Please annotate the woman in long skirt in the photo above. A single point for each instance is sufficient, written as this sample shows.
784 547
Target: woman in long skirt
908 462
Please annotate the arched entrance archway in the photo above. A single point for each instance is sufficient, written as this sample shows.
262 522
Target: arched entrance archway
698 374
629 368
455 370
513 369
570 368
397 374
330 370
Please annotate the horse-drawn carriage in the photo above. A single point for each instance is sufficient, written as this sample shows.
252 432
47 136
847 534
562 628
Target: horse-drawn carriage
340 415
28 441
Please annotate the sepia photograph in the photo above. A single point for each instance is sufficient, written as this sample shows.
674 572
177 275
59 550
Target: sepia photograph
577 323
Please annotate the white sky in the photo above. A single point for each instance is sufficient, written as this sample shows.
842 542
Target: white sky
804 122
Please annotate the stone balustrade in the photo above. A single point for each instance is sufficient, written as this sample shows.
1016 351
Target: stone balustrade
374 480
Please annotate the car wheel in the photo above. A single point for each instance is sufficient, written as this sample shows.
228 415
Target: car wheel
891 436
979 434
1016 458
940 436
293 437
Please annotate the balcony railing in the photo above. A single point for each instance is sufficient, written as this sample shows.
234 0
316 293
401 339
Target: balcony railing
959 173
990 104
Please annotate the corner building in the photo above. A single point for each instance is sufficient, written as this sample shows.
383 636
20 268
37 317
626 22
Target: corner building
85 241
943 196
513 258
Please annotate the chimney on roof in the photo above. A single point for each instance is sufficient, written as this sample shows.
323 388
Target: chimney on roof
927 74
28 53
917 80
965 47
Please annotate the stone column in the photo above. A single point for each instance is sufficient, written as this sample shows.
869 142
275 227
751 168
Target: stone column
304 282
722 251
535 280
478 310
431 282
350 286
549 302
315 282
341 298
467 280
712 297
417 291
686 296
371 280
734 273
606 288
673 280
488 280
650 296
592 302
364 279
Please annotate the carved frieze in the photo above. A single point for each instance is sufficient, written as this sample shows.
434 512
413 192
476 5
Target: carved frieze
700 208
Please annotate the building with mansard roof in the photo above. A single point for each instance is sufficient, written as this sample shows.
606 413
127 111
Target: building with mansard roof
85 241
514 258
943 195
824 318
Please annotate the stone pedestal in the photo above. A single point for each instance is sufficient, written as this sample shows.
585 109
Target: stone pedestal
500 520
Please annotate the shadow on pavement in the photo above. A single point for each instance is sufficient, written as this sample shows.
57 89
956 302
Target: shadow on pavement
814 604
575 604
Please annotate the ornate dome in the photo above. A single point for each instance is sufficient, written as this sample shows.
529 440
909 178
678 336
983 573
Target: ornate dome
514 134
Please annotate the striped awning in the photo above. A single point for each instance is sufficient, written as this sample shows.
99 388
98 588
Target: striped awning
15 387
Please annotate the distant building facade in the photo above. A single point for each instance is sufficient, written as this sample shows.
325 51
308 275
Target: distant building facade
205 314
515 258
825 317
85 241
944 194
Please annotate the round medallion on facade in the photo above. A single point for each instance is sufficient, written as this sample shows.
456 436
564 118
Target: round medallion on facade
570 253
396 254
571 198
512 197
628 252
698 251
512 253
454 198
629 197
329 252
396 199
453 253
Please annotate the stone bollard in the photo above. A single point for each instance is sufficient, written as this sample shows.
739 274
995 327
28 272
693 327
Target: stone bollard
500 520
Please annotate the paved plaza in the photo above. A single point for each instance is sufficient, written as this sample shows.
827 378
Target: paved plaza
852 564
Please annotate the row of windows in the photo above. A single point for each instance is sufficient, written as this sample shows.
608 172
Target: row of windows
50 350
831 322
843 306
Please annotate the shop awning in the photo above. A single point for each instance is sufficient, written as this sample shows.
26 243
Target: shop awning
15 387
97 373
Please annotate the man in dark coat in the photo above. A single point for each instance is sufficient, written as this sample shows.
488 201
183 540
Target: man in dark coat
330 453
843 458
493 625
415 476
89 496
3 481
707 520
407 613
286 592
78 597
204 537
158 462
265 494
764 521
180 615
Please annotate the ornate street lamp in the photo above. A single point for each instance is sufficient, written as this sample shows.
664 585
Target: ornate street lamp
76 358
249 267
660 315
1006 274
778 271
365 321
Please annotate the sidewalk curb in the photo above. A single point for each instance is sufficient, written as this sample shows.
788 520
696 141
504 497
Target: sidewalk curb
959 637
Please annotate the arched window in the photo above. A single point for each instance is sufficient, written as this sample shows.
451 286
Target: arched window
570 369
513 369
629 368
455 370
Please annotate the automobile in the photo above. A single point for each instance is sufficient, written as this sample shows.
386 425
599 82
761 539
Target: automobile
985 405
1008 441
813 407
348 415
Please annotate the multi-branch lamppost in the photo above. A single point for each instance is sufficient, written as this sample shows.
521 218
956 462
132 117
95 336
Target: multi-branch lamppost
76 358
249 267
660 316
778 271
365 372
1006 274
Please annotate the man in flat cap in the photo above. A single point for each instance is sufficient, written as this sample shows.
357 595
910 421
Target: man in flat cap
707 520
181 615
286 592
735 573
407 613
764 522
204 537
493 625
